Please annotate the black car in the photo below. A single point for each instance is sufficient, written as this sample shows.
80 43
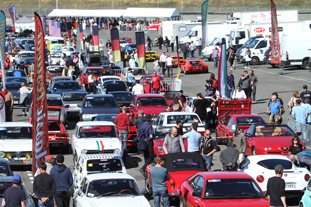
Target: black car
112 85
61 87
123 98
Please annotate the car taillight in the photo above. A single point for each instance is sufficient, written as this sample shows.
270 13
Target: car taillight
287 58
260 178
307 177
172 184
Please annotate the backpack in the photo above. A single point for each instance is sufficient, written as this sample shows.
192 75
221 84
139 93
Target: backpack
215 83
305 153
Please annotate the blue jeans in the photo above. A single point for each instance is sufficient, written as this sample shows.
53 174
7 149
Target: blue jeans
157 194
231 91
123 136
215 62
208 161
49 203
192 53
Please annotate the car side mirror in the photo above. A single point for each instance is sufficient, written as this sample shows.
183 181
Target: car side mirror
79 193
72 167
298 133
248 135
196 194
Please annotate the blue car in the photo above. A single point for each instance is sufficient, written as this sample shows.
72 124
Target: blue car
61 87
132 45
95 104
306 198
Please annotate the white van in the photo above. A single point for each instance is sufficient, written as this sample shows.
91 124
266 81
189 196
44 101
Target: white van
296 49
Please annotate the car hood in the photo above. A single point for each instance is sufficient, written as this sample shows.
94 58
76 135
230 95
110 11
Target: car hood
16 145
259 202
275 142
91 143
151 109
128 201
179 177
100 110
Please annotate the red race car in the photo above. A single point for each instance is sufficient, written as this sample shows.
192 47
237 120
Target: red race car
87 71
127 39
58 136
180 166
194 66
182 61
263 139
152 104
219 189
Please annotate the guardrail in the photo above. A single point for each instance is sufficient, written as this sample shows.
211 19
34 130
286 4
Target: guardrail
305 130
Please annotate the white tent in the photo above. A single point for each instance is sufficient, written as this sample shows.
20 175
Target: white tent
170 13
86 13
24 23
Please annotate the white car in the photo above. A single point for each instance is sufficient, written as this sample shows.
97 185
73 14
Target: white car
167 120
109 189
94 137
68 50
96 163
16 142
261 168
123 43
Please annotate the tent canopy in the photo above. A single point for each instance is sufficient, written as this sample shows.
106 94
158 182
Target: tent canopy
86 13
151 13
24 20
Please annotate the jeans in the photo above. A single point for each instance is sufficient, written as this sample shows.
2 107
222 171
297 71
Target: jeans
148 154
248 63
192 53
215 62
199 50
157 194
169 71
254 93
123 136
92 88
232 91
149 47
208 161
163 67
49 203
62 198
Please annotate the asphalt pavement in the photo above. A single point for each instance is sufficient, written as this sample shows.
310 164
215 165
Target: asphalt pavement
269 81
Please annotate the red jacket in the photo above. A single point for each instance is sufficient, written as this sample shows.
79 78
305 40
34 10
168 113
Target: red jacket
122 121
147 89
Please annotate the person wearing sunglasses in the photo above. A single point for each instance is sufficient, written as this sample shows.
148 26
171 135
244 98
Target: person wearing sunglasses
208 148
296 147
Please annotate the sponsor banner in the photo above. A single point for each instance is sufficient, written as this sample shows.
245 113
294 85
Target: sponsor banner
68 26
204 23
140 47
2 106
2 44
115 44
12 13
95 37
275 43
81 36
58 30
43 19
40 146
222 73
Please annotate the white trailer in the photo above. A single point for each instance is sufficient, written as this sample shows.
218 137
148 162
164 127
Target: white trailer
176 28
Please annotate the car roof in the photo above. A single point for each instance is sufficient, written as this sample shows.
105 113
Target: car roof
108 176
98 95
224 175
258 158
64 77
149 95
114 81
54 95
93 68
14 124
95 123
110 76
193 60
3 160
6 179
178 113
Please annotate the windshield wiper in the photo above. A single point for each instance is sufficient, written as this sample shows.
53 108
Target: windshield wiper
108 194
239 195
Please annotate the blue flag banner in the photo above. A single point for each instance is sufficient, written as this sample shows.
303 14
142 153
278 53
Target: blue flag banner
2 42
204 23
222 73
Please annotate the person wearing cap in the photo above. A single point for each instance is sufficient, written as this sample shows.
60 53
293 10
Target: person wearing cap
239 141
138 88
276 188
162 62
194 139
44 187
229 158
147 87
146 131
123 123
139 120
14 195
305 95
49 161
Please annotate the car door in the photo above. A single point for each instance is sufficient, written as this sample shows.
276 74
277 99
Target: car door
228 127
83 188
249 138
155 125
307 195
196 185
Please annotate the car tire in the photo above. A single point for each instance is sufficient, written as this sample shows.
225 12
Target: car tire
185 72
210 58
148 188
255 61
254 151
218 141
306 64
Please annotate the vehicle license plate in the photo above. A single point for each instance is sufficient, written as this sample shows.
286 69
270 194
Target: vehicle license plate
15 102
290 185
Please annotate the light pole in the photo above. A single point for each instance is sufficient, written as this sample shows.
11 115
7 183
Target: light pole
56 4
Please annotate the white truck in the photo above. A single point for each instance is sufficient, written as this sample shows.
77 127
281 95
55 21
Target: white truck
296 49
176 28
216 42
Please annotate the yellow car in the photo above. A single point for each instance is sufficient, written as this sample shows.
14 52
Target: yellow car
55 44
151 55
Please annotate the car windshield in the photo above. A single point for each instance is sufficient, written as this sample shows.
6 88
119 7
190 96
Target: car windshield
249 120
30 54
106 117
16 72
97 72
103 165
115 86
12 80
151 101
99 102
187 119
4 171
13 86
249 41
15 132
53 126
113 187
55 70
139 72
232 189
254 43
271 163
272 131
54 101
97 132
73 97
28 61
66 86
194 63
186 164
123 42
213 41
123 96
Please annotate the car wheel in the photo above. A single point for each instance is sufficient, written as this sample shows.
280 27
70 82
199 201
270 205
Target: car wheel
186 72
75 157
306 64
255 61
210 58
254 151
148 188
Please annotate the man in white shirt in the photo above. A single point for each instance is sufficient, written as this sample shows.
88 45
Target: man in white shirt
238 94
162 62
169 65
137 88
132 63
101 48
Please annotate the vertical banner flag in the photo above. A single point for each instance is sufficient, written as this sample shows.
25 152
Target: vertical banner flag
2 44
275 43
2 106
40 143
204 23
43 19
12 13
58 29
115 45
178 65
52 28
140 46
95 37
81 36
222 72
68 26
55 32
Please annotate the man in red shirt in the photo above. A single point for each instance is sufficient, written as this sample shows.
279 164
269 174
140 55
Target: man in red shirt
147 88
155 82
122 122
7 62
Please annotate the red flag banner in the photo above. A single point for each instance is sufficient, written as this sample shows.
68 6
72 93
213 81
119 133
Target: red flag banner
275 43
140 46
40 143
115 44
81 36
12 13
95 37
69 25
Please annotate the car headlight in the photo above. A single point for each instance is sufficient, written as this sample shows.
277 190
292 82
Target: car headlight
9 156
28 155
267 148
117 151
160 149
2 154
284 148
84 151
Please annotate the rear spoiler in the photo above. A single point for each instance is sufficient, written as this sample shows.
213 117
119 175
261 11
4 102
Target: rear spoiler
233 107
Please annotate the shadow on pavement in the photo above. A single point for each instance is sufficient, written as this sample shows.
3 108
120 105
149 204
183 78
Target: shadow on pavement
131 161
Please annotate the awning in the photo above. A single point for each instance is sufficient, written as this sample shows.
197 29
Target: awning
151 13
87 13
